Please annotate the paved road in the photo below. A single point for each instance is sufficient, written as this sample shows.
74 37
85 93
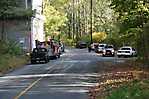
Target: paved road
66 78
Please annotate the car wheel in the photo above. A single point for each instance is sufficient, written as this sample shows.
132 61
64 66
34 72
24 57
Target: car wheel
135 55
46 61
58 56
103 55
55 57
33 62
132 55
119 56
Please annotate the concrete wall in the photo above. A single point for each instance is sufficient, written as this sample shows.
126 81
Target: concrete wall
37 26
25 32
18 31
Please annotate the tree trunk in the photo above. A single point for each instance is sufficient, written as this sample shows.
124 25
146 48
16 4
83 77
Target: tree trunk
146 43
3 30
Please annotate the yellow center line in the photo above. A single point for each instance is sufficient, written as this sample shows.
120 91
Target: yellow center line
31 85
27 89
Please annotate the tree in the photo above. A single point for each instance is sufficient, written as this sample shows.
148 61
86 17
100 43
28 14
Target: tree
6 7
99 36
12 9
133 17
78 13
132 13
54 19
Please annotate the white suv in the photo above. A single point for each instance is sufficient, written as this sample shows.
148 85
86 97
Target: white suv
101 48
108 51
126 51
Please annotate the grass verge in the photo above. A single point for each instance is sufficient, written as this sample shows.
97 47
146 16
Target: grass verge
133 90
9 62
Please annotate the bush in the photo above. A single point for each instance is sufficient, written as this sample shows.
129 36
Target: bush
69 42
99 36
135 90
9 62
10 48
10 56
85 38
114 41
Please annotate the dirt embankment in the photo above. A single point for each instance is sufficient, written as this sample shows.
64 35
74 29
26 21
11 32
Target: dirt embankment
115 76
8 63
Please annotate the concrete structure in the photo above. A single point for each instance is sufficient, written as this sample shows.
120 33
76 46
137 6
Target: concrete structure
25 31
37 22
18 32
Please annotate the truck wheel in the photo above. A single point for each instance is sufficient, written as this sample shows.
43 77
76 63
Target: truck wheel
58 56
46 60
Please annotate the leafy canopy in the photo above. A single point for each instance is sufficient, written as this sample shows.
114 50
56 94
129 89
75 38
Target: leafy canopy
132 13
54 19
13 9
6 7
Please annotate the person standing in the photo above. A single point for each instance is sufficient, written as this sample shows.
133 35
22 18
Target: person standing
89 48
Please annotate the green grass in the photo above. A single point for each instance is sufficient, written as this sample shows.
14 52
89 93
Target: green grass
10 56
134 90
9 62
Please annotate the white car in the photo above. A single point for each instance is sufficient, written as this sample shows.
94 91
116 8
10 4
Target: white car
101 48
126 51
108 51
94 45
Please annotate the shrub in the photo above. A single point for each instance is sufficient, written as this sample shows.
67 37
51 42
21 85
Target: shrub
99 36
10 48
69 42
135 90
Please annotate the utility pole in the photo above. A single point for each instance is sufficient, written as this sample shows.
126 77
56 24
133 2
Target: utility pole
91 18
73 17
26 4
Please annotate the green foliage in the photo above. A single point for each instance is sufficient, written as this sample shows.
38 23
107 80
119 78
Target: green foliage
9 48
69 42
53 18
85 38
133 15
104 17
115 40
21 14
135 90
10 57
11 9
59 4
99 36
79 18
9 62
7 6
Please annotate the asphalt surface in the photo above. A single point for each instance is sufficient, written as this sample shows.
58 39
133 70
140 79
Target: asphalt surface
68 77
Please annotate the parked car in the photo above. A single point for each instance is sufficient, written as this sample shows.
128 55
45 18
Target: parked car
109 51
52 46
100 48
54 49
126 51
39 55
61 47
81 44
94 45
